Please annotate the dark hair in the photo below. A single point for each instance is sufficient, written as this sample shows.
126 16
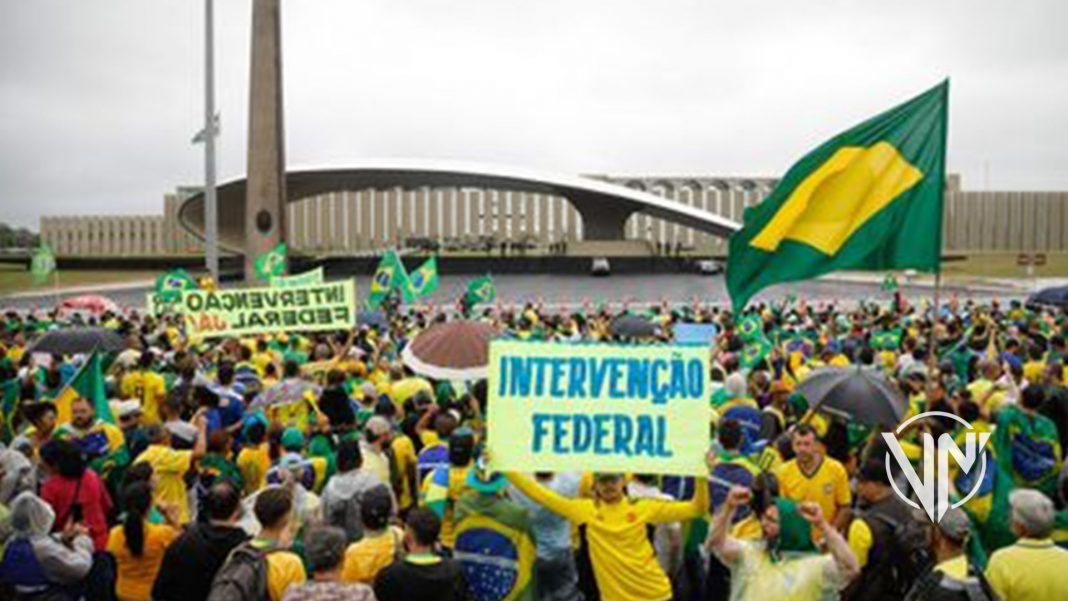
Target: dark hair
225 373
425 526
324 547
729 434
137 499
1033 397
222 500
805 430
349 456
273 506
205 397
873 471
765 491
969 410
461 449
138 472
291 367
65 457
376 508
256 432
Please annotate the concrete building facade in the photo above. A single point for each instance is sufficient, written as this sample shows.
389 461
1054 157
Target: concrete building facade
360 221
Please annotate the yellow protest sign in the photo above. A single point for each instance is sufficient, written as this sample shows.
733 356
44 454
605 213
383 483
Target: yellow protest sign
242 311
598 407
315 276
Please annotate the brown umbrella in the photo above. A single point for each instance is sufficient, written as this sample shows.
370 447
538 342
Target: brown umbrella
455 350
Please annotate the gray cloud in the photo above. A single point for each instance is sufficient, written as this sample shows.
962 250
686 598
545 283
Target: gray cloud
98 100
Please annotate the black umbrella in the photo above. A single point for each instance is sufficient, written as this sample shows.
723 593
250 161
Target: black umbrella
71 341
1053 297
633 326
856 393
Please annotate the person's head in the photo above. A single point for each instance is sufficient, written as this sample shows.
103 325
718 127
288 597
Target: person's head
157 434
1033 397
223 502
64 458
461 449
805 443
42 416
762 503
376 508
226 373
950 534
324 549
444 424
30 515
349 456
292 440
609 487
1032 513
140 472
873 481
421 529
273 507
735 385
729 434
82 414
378 431
137 500
291 369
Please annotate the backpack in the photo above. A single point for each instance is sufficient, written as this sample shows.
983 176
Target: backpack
243 577
908 554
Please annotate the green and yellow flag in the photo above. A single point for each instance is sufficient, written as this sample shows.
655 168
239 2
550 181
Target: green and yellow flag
423 281
169 285
481 290
870 198
43 263
389 274
271 263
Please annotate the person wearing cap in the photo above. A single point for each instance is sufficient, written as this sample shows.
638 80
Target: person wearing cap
1033 568
171 466
950 579
254 459
776 415
146 386
490 533
624 562
381 544
378 434
319 467
874 541
128 413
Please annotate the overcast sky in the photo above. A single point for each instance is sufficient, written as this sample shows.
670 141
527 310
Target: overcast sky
99 100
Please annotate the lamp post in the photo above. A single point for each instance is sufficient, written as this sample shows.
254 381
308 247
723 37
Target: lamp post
207 136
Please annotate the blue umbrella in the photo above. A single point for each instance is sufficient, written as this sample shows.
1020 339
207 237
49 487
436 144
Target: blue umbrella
1053 297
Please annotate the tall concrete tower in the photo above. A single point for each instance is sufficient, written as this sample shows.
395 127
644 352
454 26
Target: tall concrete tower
265 194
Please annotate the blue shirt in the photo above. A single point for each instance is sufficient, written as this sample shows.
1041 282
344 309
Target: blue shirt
552 532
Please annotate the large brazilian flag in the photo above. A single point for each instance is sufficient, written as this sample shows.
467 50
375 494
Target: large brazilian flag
870 198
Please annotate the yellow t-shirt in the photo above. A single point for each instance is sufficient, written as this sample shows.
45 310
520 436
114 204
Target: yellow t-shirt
376 463
261 360
1033 371
800 577
169 466
365 558
253 463
284 569
404 454
828 485
956 567
136 575
457 488
429 438
624 562
979 388
1030 570
860 540
147 387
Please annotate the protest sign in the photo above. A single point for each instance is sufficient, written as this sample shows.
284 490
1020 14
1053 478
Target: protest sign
242 311
598 407
156 304
308 278
695 333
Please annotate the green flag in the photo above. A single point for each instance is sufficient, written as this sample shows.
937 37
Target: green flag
271 263
869 198
481 290
43 263
390 274
87 383
890 283
751 328
754 352
10 393
169 285
423 281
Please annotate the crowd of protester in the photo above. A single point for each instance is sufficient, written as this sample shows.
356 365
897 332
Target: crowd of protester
371 482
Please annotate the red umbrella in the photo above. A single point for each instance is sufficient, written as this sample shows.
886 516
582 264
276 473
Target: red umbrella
92 303
455 350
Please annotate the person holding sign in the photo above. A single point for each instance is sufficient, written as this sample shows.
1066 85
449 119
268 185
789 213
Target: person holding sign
616 530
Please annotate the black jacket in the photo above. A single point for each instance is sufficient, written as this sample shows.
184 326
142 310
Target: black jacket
190 563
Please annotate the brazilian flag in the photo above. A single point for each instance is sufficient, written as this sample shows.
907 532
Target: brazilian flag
495 548
388 275
869 198
751 328
271 263
169 286
423 281
481 290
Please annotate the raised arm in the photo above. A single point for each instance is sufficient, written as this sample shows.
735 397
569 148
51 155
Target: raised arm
677 511
574 510
839 548
719 541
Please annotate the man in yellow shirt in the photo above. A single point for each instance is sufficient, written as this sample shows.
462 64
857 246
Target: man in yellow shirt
273 509
813 477
146 386
623 559
255 458
170 466
987 391
1033 569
